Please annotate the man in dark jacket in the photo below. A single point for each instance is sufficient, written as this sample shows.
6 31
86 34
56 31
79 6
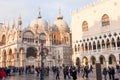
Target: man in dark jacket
113 73
74 73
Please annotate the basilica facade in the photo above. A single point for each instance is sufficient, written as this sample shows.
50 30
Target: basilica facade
96 34
20 47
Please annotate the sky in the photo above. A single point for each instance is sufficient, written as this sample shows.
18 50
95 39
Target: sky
28 9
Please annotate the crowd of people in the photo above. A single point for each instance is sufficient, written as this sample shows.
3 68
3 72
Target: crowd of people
69 72
113 73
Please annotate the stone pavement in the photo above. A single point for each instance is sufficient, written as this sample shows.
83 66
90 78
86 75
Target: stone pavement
92 76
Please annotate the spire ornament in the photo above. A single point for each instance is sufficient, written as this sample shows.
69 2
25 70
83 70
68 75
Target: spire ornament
59 14
39 15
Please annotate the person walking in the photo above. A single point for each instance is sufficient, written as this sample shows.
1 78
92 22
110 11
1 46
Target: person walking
105 73
74 73
65 72
57 74
91 69
113 73
109 72
2 74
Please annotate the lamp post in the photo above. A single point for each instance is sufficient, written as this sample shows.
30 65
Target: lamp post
43 54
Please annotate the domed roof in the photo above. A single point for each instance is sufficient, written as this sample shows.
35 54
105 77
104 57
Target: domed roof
39 24
61 24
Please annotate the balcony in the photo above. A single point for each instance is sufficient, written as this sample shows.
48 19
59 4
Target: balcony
100 51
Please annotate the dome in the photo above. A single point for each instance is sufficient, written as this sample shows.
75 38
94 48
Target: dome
61 25
39 24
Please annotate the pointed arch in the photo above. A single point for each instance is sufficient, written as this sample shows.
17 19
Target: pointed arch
113 43
112 60
86 47
90 46
43 36
98 45
102 59
103 44
78 47
94 45
75 47
85 61
3 40
108 43
78 61
118 42
82 47
93 60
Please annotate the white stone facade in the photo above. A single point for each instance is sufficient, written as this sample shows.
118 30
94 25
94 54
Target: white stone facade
20 47
96 34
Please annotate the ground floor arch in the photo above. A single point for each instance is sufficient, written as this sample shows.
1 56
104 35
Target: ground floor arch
77 61
102 60
93 60
31 52
112 60
84 61
4 58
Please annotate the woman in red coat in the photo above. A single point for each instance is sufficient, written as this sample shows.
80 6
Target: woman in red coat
2 74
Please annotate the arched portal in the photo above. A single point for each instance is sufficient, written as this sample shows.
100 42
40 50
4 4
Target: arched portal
31 52
85 61
31 55
77 61
10 57
4 58
3 39
102 61
93 60
112 60
21 56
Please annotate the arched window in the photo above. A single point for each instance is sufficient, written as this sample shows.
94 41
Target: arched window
103 44
90 46
98 45
75 48
3 39
105 20
84 26
82 47
78 47
86 47
113 42
94 46
108 43
118 42
42 38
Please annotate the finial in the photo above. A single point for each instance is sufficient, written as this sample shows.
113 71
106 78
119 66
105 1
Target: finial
39 15
59 10
19 20
59 15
